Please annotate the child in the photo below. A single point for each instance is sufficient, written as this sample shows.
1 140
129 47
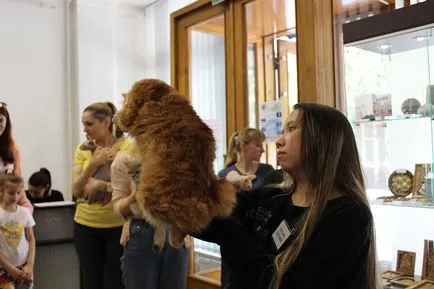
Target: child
17 242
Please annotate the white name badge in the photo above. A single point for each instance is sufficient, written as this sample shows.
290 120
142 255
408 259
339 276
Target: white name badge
282 233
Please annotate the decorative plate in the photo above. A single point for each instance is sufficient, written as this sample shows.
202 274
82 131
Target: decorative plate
389 275
401 183
403 281
410 106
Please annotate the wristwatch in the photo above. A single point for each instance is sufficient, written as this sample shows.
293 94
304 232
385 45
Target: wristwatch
109 188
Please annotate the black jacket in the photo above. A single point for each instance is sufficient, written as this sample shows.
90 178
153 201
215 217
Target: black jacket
333 258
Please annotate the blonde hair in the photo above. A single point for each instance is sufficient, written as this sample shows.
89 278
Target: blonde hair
10 178
103 110
243 136
330 160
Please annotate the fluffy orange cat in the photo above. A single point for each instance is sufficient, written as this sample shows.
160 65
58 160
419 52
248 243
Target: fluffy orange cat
177 186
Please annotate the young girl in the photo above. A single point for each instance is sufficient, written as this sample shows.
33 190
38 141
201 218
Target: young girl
17 242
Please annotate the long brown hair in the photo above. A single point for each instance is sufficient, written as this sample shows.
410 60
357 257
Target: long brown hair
244 136
331 162
7 145
102 110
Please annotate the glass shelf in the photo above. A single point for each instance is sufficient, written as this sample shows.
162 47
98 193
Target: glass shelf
388 97
386 120
407 204
389 91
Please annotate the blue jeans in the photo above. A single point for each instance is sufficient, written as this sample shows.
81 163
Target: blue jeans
144 269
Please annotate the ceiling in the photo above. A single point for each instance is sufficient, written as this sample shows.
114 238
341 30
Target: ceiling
400 43
266 17
263 17
137 3
354 6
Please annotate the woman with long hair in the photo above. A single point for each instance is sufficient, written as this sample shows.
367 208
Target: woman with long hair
10 158
317 234
9 153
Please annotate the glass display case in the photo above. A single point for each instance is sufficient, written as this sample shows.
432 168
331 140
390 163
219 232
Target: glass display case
387 93
389 89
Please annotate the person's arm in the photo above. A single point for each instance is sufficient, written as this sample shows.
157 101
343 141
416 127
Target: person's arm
121 184
122 207
12 270
17 161
28 267
246 200
25 202
81 176
240 182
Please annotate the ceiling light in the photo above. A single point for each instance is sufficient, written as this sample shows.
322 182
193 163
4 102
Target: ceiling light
384 2
385 46
421 38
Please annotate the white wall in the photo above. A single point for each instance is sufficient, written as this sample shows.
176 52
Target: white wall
158 33
111 50
32 83
109 46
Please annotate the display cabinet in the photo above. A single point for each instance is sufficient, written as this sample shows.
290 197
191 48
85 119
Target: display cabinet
389 93
388 83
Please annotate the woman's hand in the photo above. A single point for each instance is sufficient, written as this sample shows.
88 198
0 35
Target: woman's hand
93 185
240 181
95 191
102 156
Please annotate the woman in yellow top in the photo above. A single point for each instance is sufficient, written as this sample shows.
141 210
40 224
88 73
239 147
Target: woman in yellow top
97 228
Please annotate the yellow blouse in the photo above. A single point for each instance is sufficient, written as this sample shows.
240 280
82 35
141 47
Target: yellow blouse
97 215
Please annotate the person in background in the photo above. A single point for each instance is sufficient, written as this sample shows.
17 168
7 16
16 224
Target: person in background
318 233
39 188
17 241
10 159
143 267
244 155
243 158
97 229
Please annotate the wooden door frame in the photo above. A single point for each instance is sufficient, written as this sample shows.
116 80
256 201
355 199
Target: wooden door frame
315 57
180 74
190 15
315 53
